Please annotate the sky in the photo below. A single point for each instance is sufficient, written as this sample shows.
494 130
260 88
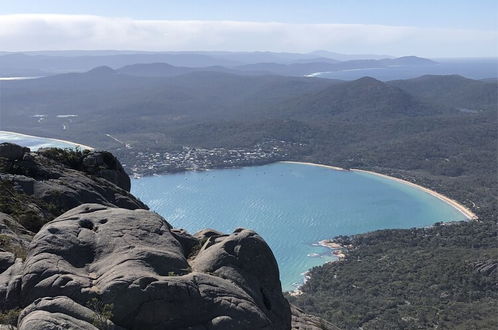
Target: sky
431 28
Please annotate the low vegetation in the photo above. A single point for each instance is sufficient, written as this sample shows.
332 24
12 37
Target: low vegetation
102 313
69 157
28 211
9 318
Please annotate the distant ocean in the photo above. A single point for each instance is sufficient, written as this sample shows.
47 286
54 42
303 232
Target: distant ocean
292 206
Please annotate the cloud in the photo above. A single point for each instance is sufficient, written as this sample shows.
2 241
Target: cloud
61 32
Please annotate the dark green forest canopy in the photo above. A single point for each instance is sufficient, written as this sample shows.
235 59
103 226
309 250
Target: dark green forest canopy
444 277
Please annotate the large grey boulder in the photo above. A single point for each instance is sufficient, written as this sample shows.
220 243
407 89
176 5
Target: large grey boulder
134 260
245 259
105 165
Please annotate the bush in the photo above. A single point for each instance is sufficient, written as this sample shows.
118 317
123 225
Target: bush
10 318
102 313
70 157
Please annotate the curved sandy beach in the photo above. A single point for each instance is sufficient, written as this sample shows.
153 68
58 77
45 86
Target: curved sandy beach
314 164
58 140
462 209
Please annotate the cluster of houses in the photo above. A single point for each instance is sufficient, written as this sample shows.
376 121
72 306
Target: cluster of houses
139 163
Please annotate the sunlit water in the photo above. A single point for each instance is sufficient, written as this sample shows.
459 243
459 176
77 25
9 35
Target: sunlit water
292 206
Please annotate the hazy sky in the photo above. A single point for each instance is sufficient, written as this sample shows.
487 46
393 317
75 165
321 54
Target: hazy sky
433 28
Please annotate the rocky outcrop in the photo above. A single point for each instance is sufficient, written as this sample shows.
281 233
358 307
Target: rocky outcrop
103 164
12 152
135 261
57 180
109 263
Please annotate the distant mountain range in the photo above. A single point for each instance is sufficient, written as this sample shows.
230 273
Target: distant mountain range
164 64
295 69
52 62
311 68
164 104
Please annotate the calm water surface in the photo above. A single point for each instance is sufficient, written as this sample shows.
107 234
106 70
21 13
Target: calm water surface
292 206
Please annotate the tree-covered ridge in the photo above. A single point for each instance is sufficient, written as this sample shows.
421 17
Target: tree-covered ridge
454 90
440 277
157 111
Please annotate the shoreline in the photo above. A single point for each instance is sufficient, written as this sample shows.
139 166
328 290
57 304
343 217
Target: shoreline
461 208
83 146
337 249
336 168
458 206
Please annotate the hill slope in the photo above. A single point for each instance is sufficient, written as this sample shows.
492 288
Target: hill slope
453 90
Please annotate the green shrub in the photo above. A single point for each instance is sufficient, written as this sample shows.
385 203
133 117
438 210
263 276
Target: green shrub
70 157
31 220
102 313
10 318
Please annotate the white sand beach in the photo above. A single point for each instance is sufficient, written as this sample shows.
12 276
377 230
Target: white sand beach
314 164
82 146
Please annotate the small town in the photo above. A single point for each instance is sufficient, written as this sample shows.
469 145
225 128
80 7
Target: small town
142 163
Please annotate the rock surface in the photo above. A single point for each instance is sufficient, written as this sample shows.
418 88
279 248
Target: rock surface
132 259
57 180
12 152
103 164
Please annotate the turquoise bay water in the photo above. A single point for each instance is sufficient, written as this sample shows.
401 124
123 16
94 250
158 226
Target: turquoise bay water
292 206
33 142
